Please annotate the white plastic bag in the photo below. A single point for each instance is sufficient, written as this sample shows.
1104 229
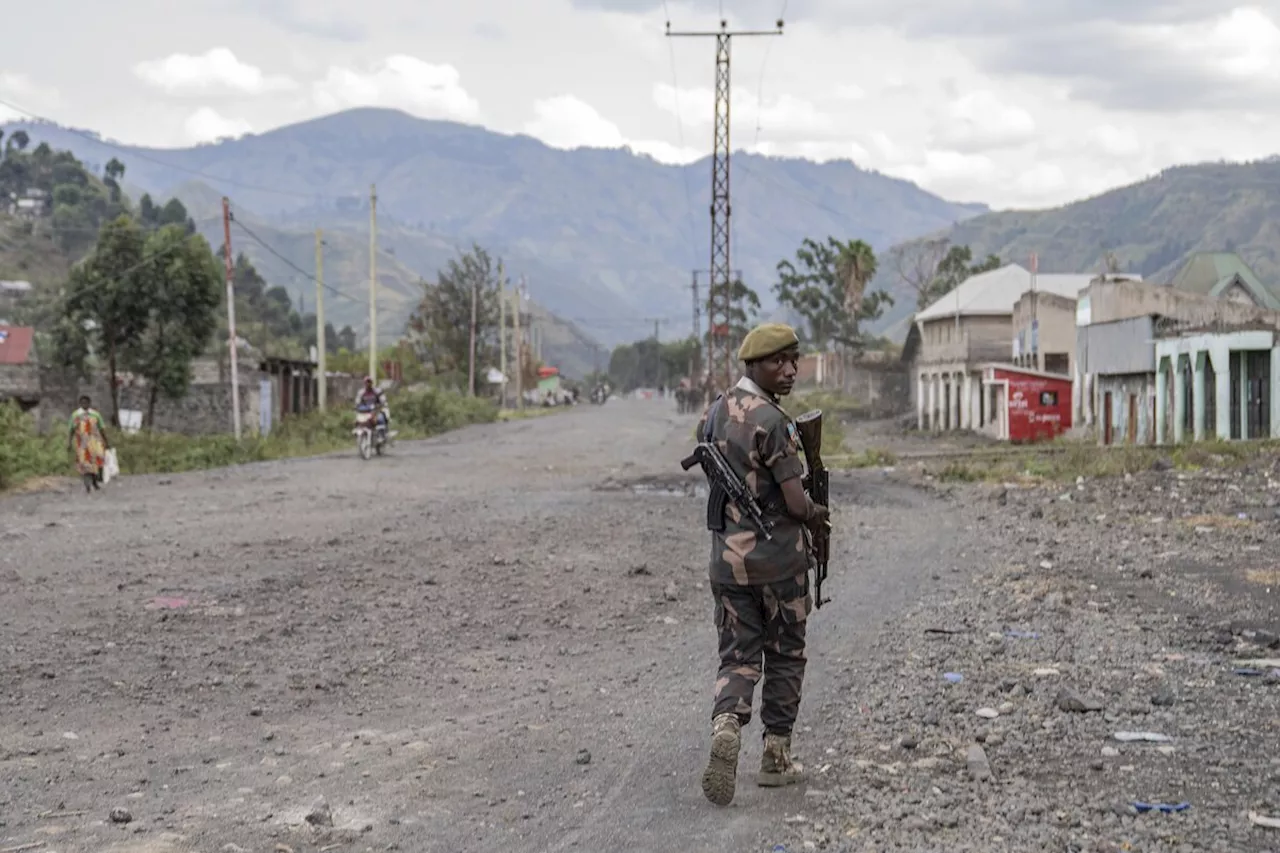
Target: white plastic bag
110 466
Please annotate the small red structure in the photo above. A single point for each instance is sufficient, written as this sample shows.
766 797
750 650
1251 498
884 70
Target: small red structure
1028 405
15 344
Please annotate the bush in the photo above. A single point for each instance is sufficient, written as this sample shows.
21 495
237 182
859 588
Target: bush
24 454
433 411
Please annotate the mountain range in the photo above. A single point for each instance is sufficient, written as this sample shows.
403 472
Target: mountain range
606 239
1150 228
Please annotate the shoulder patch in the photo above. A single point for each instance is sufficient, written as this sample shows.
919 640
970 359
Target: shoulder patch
793 434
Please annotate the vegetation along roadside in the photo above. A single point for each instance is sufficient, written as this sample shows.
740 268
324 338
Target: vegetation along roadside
26 456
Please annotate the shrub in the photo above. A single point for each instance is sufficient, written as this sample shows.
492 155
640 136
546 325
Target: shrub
432 411
24 454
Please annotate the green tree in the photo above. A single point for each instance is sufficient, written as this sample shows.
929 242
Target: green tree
18 141
105 304
827 287
183 294
441 325
647 363
112 174
172 213
954 268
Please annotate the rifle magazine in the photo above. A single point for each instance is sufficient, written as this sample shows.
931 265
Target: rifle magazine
717 501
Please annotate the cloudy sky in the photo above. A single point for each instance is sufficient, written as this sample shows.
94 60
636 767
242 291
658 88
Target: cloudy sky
1010 102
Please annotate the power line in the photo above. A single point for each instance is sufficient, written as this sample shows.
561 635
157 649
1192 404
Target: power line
684 172
782 16
310 276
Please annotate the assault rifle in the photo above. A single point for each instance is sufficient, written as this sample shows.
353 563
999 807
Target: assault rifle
818 484
725 486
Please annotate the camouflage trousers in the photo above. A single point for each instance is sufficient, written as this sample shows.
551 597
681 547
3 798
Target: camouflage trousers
762 632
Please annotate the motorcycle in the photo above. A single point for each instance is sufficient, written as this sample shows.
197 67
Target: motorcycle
370 431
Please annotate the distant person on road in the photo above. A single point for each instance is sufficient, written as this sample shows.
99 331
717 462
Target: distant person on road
370 396
760 587
87 438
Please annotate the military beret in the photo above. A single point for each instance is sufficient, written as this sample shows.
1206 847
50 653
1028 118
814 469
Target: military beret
766 340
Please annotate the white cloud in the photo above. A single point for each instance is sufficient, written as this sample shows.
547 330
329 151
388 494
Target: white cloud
982 121
953 174
1114 141
25 93
665 152
1244 43
1041 180
216 71
785 114
207 125
567 122
400 82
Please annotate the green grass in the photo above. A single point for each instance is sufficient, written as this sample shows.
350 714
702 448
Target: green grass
872 457
26 456
834 404
1091 461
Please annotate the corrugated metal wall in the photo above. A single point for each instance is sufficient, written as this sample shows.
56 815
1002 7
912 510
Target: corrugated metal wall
1132 408
1120 347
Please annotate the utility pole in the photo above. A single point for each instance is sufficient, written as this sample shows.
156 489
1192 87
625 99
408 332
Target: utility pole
321 343
231 320
471 357
373 282
720 354
519 343
1035 319
502 330
694 360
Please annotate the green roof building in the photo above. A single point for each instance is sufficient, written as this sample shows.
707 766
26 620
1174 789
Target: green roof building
1224 275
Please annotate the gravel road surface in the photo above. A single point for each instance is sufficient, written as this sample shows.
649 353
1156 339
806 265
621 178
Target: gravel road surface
499 639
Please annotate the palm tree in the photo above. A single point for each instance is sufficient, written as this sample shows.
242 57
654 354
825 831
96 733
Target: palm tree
856 265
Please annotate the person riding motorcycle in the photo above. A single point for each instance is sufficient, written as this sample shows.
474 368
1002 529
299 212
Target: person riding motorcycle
371 396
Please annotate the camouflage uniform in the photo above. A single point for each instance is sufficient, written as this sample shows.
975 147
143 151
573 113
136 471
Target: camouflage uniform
761 587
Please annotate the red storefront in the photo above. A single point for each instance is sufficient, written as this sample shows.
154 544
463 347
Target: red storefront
1027 405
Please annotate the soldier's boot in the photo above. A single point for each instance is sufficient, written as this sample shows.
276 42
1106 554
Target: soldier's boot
777 767
721 776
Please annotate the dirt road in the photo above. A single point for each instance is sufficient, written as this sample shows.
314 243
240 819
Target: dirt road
494 640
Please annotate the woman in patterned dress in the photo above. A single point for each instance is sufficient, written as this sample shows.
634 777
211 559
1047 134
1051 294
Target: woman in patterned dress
87 437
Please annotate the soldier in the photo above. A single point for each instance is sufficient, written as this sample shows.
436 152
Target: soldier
761 587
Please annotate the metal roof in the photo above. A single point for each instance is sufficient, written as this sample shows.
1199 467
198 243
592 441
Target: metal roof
1211 273
15 344
996 292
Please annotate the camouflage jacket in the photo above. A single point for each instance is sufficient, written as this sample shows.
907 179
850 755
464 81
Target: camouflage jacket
761 444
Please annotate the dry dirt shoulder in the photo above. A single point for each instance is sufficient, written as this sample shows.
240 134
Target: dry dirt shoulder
987 716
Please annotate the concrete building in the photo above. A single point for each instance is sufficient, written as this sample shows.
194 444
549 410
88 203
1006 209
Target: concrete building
1224 275
19 372
11 294
970 327
1044 326
1216 382
1158 365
